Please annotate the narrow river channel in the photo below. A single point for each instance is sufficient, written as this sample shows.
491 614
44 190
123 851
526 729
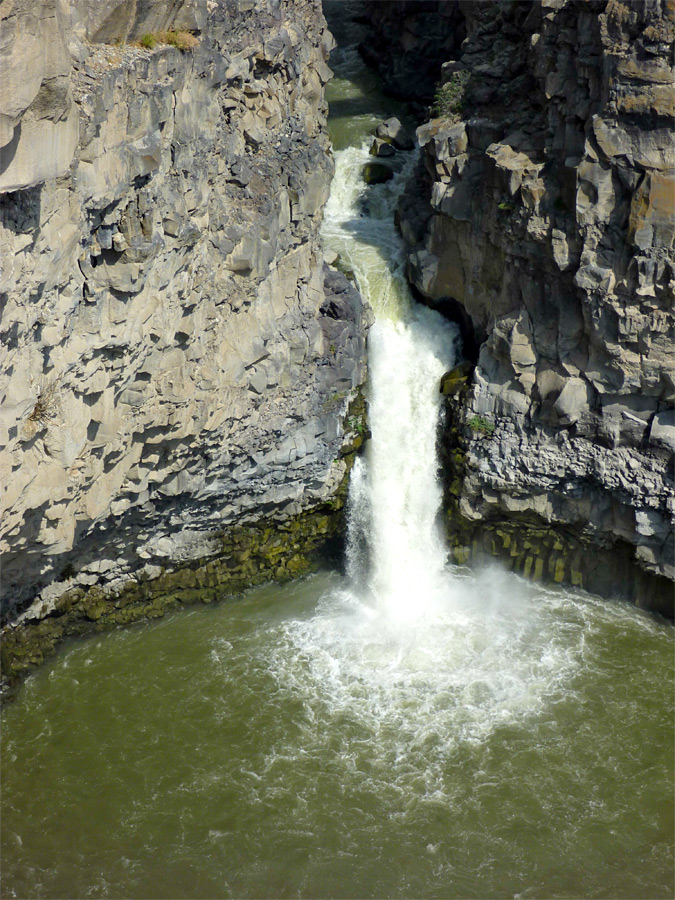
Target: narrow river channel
407 730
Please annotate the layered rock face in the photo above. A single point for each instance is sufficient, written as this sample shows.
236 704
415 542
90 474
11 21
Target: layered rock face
543 213
173 364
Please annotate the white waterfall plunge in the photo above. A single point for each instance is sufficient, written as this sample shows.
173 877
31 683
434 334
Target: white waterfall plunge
439 656
394 547
400 496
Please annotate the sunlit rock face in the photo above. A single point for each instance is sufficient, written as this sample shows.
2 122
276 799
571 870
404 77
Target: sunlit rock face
172 362
543 214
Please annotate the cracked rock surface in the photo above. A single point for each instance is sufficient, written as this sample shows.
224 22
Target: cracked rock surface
542 215
174 357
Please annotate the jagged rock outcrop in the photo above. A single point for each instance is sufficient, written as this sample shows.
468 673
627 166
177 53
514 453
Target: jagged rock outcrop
176 362
543 210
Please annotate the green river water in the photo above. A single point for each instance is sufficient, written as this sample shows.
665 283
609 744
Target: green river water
497 740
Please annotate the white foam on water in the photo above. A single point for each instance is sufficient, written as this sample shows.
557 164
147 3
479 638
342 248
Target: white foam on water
359 226
453 672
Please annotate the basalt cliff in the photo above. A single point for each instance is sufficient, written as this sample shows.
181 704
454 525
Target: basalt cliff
180 373
542 217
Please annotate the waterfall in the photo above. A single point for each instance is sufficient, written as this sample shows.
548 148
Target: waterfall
394 548
440 655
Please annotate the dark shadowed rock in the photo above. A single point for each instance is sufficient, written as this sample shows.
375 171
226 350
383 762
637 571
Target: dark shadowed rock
377 173
381 147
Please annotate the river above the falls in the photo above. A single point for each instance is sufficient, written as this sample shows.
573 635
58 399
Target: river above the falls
407 730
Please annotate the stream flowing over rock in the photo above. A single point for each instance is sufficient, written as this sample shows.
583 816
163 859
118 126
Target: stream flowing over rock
177 360
542 218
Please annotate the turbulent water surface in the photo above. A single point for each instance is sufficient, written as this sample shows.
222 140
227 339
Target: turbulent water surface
407 731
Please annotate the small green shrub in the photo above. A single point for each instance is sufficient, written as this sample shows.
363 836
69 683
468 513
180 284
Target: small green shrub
355 424
478 423
181 40
507 206
148 41
449 98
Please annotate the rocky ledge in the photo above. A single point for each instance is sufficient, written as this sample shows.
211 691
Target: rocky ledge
177 365
542 217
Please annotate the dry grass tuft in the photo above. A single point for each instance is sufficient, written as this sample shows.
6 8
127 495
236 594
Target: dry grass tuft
45 405
181 40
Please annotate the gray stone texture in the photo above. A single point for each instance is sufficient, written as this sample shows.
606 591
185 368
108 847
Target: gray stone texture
171 363
545 210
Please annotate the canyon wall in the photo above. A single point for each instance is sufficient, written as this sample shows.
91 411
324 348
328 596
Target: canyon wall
542 217
177 362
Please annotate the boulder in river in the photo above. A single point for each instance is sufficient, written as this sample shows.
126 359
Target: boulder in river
377 173
382 147
393 131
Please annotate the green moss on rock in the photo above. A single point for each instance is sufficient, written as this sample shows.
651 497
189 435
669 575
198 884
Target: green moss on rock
250 555
377 173
454 381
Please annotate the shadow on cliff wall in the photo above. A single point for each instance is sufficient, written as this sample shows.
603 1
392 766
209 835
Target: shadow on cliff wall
21 210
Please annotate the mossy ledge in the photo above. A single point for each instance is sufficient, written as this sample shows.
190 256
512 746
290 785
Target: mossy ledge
249 555
545 553
267 550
